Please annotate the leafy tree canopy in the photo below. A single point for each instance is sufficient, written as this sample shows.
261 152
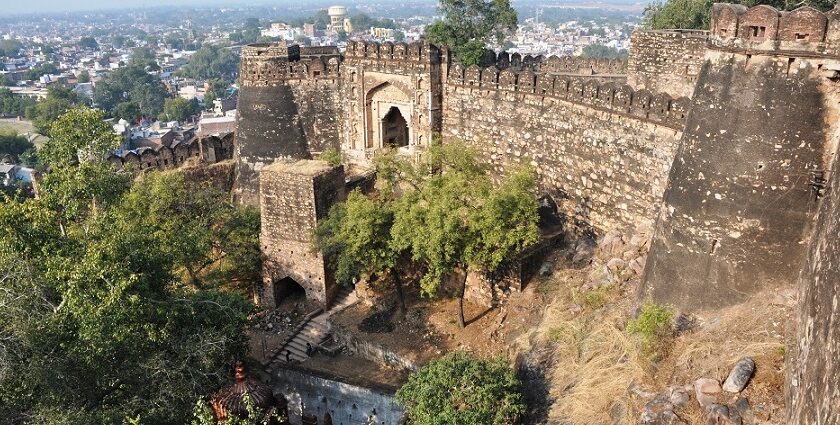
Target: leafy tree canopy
468 25
58 100
211 62
696 14
12 144
88 43
131 84
453 219
179 109
98 321
10 48
599 51
459 389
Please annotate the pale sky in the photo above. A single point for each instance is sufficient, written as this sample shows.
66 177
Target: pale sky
17 6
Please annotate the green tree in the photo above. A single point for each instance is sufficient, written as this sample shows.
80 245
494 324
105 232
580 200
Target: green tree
211 62
97 326
118 41
84 77
144 58
217 88
468 25
179 109
88 43
458 219
133 84
459 389
10 48
58 100
79 134
600 51
37 71
13 145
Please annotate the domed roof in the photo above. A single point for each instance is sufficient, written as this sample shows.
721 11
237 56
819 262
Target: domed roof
230 401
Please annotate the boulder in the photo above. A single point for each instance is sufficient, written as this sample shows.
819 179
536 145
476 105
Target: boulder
706 390
616 264
718 414
660 411
740 375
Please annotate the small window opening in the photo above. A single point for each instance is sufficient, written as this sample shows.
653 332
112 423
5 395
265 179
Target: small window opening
801 37
757 31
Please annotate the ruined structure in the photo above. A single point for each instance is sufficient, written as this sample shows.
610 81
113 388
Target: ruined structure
717 142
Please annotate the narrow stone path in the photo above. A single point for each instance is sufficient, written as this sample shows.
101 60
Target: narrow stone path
315 331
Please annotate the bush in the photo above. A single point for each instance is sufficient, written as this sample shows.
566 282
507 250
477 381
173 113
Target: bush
332 156
460 389
653 328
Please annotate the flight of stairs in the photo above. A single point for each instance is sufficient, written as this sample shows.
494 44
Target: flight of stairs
314 331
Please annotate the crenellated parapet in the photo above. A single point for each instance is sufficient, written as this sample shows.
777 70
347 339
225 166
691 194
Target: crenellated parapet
271 64
660 108
804 30
209 150
568 65
418 51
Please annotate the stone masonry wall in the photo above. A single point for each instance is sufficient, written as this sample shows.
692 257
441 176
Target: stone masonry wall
602 151
318 396
294 197
668 61
740 201
814 381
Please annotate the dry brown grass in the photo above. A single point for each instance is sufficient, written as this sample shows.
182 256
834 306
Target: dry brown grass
595 360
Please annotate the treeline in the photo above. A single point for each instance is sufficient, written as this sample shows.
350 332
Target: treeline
696 14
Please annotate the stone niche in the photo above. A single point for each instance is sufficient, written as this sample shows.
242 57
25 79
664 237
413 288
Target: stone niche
294 196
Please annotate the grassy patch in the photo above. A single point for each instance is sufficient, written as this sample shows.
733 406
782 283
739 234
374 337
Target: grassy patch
595 298
654 329
332 156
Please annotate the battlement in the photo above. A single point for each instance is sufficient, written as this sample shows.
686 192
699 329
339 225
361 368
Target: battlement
270 64
418 51
765 28
280 50
660 108
575 65
211 150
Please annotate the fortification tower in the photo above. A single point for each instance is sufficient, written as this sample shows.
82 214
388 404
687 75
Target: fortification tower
267 116
741 192
295 195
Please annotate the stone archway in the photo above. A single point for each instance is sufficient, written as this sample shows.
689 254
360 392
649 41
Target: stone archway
394 129
388 117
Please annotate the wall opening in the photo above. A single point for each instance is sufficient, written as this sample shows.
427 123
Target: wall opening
394 129
757 31
288 289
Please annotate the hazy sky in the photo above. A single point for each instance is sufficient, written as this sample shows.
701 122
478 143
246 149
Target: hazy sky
23 6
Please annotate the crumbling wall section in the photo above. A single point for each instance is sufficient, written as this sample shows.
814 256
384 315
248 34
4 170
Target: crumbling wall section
666 60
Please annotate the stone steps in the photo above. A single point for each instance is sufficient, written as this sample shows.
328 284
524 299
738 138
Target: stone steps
314 331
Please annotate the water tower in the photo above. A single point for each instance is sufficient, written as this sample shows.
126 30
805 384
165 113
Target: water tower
337 15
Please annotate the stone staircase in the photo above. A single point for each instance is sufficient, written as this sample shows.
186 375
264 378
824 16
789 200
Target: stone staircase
315 331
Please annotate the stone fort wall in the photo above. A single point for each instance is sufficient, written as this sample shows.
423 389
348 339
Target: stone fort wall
601 150
730 179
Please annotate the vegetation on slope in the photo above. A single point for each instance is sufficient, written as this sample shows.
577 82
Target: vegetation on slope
104 314
452 219
459 389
